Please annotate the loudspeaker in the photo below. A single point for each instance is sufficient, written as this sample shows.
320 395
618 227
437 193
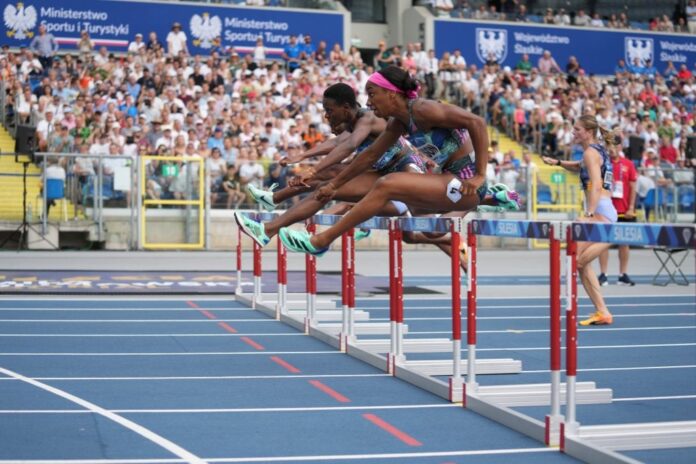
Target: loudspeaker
636 145
25 143
691 147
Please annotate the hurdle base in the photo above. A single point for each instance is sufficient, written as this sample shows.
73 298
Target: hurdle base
330 314
483 366
360 328
640 436
412 345
539 394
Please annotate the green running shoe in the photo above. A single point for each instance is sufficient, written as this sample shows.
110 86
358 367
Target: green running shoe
263 197
508 199
253 229
489 209
298 241
361 234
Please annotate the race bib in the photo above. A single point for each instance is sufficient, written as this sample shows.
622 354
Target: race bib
618 190
454 190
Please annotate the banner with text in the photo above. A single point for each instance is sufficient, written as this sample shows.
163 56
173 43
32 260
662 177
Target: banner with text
597 50
113 24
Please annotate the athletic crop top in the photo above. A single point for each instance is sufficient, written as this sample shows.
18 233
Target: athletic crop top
607 171
395 151
438 143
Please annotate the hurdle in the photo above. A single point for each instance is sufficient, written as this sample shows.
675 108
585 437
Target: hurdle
595 443
542 394
354 322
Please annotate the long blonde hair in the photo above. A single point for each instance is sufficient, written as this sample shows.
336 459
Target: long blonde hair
589 122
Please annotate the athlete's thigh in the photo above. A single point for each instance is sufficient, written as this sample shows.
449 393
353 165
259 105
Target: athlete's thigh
428 192
356 188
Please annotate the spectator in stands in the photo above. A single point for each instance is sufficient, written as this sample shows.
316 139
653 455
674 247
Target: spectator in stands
45 46
561 18
667 151
260 52
596 21
85 45
177 41
61 141
482 13
524 65
292 54
44 129
308 50
136 45
443 8
153 43
251 171
547 64
232 188
572 70
549 17
581 19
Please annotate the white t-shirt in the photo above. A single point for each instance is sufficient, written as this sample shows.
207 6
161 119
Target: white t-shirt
176 42
253 172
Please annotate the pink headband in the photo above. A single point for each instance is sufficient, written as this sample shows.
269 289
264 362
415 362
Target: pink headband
380 81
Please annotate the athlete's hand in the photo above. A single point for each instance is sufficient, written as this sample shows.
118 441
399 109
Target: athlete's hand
306 175
550 161
630 214
470 186
325 193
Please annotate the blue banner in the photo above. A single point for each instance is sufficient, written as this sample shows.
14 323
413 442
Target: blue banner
519 229
666 235
425 224
114 24
597 50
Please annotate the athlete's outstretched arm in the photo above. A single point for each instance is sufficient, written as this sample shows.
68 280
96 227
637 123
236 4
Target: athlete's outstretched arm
371 154
363 128
324 148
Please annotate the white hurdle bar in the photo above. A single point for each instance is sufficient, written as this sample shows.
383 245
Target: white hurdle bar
595 442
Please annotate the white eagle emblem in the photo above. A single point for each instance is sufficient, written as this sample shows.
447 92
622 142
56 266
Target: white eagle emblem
491 43
640 48
205 29
20 20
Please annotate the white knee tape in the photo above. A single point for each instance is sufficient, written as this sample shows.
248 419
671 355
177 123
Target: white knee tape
400 206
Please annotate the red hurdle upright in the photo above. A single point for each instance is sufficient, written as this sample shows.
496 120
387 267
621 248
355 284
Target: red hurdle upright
311 282
553 419
348 288
455 382
258 295
238 290
570 423
471 385
282 304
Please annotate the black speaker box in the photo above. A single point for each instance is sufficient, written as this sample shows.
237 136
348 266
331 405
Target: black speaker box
691 147
636 145
25 142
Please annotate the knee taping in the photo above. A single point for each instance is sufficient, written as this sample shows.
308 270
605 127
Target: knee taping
400 206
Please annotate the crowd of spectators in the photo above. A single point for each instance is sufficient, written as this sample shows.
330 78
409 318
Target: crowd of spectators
517 10
242 114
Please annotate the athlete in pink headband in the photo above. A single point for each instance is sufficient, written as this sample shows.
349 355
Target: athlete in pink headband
381 81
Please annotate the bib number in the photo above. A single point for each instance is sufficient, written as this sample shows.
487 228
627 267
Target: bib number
454 190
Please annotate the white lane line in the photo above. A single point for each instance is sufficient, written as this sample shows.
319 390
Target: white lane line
612 369
189 353
218 377
657 398
122 421
431 306
237 410
522 331
257 353
512 318
139 321
225 334
411 332
188 310
328 457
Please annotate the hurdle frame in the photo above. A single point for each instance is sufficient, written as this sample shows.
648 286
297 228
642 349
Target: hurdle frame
599 443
